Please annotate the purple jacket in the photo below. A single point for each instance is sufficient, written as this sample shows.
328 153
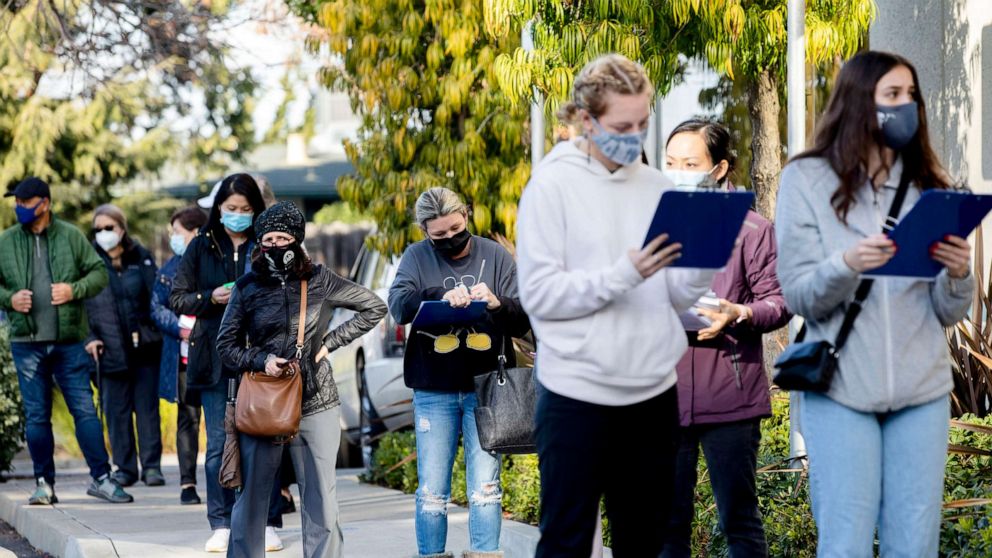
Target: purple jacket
723 379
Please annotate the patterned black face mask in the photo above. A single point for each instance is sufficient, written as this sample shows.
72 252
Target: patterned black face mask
281 258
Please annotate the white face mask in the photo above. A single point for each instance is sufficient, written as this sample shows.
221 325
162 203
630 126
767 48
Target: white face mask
108 240
689 180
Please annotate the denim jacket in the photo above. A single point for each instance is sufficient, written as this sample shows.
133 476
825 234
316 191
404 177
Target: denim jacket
896 355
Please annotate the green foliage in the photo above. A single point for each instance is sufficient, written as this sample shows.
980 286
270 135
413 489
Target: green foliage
80 118
340 212
738 38
11 412
420 76
967 512
783 493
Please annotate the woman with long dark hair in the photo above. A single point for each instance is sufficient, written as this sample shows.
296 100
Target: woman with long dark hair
127 344
265 308
877 440
212 262
723 390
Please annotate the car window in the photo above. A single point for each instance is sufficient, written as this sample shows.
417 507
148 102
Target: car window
369 266
379 275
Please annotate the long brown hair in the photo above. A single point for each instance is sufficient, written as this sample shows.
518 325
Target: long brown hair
848 131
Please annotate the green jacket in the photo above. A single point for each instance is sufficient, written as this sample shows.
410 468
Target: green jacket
72 260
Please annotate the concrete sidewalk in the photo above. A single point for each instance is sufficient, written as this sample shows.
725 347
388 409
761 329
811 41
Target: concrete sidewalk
377 522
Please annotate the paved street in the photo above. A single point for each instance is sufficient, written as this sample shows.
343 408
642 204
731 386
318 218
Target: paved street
377 522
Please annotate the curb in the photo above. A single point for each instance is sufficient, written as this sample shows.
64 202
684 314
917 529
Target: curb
53 530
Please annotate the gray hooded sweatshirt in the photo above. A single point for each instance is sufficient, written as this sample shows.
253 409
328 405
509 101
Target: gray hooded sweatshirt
896 355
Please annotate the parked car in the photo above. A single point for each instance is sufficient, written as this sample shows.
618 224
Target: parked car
369 370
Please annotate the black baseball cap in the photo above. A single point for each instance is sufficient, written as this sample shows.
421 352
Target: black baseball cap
29 188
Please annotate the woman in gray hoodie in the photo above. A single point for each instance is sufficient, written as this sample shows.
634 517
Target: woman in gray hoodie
877 440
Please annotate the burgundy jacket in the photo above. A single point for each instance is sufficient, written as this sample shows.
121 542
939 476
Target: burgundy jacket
723 379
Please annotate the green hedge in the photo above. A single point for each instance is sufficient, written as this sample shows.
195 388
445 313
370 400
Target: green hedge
11 413
784 495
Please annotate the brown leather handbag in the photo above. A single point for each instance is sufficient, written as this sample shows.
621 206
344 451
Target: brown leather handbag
270 406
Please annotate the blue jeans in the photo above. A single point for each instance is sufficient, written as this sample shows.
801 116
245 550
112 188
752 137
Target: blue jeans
439 418
868 469
220 500
39 367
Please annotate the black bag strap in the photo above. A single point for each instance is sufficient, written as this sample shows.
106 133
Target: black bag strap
864 288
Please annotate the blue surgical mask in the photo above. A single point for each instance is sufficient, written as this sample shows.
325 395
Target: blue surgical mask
899 124
178 244
25 215
622 149
237 222
691 180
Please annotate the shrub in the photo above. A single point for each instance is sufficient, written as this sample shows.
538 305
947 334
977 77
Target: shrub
783 493
11 413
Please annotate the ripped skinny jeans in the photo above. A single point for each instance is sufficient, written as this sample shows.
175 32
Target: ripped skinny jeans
439 419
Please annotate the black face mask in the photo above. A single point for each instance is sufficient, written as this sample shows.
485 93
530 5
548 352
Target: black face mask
281 258
453 245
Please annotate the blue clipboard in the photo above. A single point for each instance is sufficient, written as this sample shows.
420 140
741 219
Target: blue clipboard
936 214
706 222
433 313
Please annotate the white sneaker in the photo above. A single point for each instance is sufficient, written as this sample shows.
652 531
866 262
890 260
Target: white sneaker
218 541
272 541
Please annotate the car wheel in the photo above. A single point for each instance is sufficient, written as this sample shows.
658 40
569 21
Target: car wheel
370 425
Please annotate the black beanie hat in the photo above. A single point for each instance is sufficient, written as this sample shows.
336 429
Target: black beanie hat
282 217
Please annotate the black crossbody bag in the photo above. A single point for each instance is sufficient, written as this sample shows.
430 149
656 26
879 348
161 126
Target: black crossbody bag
811 365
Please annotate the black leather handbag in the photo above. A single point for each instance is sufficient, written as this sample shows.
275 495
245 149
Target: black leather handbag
507 403
811 365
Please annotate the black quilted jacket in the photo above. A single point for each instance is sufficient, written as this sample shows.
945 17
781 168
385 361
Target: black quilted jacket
262 317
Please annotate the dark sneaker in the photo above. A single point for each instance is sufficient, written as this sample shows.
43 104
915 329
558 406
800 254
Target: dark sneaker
153 477
189 497
123 479
108 489
288 505
44 495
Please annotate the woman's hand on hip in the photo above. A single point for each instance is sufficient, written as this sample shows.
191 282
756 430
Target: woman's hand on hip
656 255
954 253
870 253
322 354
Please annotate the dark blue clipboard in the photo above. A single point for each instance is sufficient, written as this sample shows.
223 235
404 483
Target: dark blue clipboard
706 223
433 313
936 214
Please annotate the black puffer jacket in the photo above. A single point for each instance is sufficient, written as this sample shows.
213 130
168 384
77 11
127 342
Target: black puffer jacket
121 311
209 262
265 311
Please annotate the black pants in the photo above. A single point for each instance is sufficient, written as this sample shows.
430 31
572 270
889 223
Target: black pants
626 454
731 452
187 432
130 399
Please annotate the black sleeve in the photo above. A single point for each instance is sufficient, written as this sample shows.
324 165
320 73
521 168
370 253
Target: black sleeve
230 337
187 296
369 308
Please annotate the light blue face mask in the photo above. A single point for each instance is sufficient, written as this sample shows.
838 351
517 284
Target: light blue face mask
237 222
622 149
178 244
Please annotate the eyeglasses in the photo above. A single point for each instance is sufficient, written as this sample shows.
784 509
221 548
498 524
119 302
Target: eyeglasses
108 228
279 242
448 342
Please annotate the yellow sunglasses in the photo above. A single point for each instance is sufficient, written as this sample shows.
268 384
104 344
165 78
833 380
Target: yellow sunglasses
448 342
